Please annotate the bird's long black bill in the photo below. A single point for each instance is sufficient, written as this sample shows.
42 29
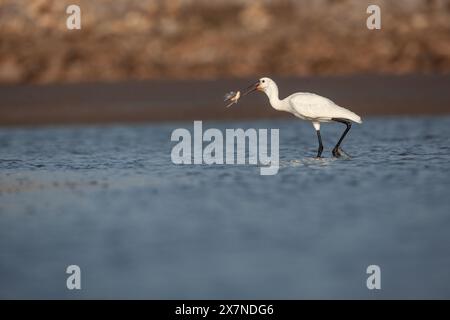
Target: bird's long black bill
251 88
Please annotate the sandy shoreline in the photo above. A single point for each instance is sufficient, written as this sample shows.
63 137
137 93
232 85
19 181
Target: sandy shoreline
164 100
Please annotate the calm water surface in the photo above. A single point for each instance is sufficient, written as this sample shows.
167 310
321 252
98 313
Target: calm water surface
109 199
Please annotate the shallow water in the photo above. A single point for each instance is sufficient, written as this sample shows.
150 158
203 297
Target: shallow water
108 199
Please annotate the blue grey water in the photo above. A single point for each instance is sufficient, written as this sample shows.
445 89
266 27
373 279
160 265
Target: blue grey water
109 199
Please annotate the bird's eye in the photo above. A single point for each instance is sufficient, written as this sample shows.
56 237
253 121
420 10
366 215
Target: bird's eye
263 81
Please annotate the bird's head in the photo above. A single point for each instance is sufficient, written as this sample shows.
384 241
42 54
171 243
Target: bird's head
261 85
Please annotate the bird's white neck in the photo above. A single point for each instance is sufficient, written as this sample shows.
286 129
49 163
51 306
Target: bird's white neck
272 93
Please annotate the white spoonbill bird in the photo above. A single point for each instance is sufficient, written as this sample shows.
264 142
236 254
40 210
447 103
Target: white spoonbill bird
308 106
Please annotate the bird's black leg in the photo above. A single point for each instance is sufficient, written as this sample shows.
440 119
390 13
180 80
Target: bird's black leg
337 150
319 151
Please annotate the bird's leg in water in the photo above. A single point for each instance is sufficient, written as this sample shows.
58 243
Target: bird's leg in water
319 151
337 151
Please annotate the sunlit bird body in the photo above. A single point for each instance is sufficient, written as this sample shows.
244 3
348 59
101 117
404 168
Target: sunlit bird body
308 106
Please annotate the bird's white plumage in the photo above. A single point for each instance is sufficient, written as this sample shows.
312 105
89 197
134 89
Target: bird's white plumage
310 106
307 106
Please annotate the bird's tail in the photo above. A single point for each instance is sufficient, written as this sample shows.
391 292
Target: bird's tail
354 117
357 119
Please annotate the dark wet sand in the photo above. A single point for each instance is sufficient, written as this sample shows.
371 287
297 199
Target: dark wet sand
146 101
